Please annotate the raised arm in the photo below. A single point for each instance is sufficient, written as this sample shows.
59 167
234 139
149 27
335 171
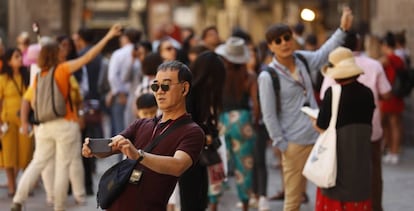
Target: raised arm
77 63
316 59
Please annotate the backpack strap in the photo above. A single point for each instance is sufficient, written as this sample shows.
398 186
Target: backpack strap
304 61
316 82
276 86
276 82
52 80
53 93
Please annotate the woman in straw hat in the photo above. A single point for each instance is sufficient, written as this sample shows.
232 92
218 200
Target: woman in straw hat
355 110
240 89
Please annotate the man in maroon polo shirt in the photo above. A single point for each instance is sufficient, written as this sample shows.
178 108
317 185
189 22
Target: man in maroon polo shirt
177 152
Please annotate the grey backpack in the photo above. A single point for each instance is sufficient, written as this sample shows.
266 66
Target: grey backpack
50 103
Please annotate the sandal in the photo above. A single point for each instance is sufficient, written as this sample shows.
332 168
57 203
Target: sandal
10 195
305 198
278 196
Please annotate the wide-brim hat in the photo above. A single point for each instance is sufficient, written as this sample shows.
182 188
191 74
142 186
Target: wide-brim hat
234 50
341 64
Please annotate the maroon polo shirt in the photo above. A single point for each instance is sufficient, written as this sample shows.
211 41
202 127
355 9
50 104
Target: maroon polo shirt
154 189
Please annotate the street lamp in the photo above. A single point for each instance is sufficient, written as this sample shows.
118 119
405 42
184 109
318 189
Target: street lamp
307 15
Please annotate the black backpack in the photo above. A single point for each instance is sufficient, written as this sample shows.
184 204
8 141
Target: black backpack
404 82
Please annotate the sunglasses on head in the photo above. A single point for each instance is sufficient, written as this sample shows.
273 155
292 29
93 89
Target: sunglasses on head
164 87
285 37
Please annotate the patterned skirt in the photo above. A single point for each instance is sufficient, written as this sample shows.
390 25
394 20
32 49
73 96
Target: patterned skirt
324 203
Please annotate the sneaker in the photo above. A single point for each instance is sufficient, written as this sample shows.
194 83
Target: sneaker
263 204
387 158
252 203
80 202
49 202
278 196
394 159
305 198
16 207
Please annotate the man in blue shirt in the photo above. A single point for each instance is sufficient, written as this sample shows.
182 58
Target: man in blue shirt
290 129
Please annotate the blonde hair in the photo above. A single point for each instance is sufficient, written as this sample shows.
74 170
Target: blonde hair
372 45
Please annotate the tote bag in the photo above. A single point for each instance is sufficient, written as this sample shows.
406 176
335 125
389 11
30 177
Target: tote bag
320 167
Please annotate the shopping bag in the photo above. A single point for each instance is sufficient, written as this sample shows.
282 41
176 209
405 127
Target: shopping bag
320 168
321 165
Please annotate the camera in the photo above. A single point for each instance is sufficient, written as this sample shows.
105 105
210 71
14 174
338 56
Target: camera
100 145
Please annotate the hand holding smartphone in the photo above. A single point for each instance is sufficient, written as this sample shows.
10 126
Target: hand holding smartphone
100 145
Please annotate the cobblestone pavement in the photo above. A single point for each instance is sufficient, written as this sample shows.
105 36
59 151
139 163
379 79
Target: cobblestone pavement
398 189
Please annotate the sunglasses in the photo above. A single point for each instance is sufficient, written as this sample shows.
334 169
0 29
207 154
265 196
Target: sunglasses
164 87
286 38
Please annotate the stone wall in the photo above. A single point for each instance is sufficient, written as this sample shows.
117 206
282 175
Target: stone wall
22 13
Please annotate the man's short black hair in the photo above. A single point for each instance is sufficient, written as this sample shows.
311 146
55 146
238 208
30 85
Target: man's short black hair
276 31
87 35
146 100
207 29
184 73
239 32
389 39
146 44
299 28
150 63
311 39
133 35
351 41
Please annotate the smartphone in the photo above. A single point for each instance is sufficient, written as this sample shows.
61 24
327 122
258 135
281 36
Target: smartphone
99 145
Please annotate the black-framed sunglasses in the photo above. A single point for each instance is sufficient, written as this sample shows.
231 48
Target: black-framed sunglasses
286 38
164 87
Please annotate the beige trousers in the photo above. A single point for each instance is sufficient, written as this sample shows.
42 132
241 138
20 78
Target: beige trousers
293 161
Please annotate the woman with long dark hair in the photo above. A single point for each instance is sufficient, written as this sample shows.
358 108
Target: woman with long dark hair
204 104
240 113
17 148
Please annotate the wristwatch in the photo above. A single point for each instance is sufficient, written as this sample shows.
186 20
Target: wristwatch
141 154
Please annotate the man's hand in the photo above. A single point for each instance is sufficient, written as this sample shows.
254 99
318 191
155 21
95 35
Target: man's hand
346 19
86 151
125 146
115 30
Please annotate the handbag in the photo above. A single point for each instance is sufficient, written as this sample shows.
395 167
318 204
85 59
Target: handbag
321 165
209 155
92 111
115 179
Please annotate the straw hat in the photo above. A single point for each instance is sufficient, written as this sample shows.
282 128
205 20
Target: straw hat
341 64
234 50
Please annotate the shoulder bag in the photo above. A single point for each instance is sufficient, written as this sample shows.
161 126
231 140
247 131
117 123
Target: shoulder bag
321 165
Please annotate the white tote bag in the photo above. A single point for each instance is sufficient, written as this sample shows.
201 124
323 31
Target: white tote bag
320 168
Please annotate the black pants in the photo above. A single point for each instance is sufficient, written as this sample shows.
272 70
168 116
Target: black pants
259 183
193 189
89 164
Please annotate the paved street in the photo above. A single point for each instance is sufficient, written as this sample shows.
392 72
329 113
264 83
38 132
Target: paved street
398 189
